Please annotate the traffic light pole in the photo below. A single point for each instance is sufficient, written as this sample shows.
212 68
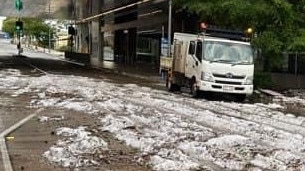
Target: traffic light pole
19 7
50 27
19 41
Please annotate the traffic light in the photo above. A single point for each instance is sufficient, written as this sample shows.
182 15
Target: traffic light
19 26
18 5
72 31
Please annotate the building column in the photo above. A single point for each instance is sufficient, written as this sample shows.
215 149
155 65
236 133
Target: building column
101 34
82 37
132 45
94 30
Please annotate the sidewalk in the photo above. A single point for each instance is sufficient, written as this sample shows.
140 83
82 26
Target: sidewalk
44 50
140 70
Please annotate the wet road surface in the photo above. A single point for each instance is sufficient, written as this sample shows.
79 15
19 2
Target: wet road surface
140 120
23 141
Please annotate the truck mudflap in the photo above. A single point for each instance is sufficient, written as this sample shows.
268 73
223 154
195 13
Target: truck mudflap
195 88
170 85
169 78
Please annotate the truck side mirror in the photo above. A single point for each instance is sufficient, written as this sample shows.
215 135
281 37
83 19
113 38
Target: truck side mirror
192 48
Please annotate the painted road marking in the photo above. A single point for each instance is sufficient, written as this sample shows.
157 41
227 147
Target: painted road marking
5 156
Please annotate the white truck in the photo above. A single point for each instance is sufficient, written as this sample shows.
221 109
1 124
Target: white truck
210 64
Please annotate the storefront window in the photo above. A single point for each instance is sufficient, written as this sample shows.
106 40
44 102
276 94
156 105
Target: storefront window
108 46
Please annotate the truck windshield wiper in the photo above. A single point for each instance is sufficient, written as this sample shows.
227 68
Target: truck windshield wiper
240 62
220 60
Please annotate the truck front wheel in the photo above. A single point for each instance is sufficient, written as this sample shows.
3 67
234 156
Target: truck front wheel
194 90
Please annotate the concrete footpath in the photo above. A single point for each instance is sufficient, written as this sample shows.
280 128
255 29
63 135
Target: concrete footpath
139 70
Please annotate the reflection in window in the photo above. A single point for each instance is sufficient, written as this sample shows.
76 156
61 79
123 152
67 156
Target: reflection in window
144 45
199 50
108 46
229 52
191 47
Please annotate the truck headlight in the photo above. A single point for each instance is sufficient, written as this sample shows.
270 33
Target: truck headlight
249 80
207 77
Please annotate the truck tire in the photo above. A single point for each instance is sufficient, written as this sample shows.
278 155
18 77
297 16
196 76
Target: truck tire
172 87
194 91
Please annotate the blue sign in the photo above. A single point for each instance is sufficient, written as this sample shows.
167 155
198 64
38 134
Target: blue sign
164 47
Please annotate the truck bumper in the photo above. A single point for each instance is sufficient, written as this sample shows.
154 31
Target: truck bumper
225 88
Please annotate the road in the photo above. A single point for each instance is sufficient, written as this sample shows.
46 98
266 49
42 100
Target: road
96 120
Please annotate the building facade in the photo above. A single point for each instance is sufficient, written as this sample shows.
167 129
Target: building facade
127 31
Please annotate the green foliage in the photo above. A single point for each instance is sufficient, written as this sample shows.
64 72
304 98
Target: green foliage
64 48
32 26
262 80
278 24
299 42
9 26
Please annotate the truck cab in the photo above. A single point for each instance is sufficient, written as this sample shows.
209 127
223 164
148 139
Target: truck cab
206 63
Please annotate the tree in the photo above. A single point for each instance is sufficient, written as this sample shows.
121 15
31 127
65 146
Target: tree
32 27
9 26
278 24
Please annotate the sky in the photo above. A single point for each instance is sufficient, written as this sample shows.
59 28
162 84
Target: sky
176 131
1 21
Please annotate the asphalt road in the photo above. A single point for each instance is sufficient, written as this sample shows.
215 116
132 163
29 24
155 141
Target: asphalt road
26 143
145 127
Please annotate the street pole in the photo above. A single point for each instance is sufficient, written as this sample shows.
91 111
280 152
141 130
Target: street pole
169 27
19 37
19 6
126 32
50 26
296 64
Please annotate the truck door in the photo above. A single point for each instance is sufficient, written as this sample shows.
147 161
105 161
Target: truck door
178 60
194 58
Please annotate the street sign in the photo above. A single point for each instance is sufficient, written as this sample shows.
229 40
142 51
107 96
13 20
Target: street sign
18 5
164 47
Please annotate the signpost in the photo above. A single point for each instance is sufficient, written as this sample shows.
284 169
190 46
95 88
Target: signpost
169 39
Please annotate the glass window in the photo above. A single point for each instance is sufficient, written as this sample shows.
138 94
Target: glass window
228 52
199 50
144 45
108 46
192 48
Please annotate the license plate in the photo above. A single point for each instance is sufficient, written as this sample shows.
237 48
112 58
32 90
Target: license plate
228 88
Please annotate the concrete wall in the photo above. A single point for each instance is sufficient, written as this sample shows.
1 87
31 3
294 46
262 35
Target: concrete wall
286 81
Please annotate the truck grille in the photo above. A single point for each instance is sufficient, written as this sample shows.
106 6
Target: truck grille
229 76
228 82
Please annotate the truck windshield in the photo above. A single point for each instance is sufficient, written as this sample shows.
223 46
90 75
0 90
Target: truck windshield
228 52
